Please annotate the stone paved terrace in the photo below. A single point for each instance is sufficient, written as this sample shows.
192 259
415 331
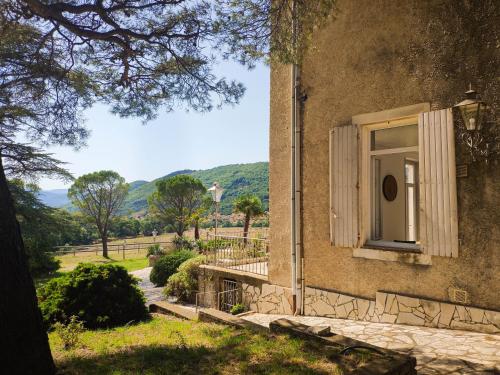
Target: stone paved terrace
438 351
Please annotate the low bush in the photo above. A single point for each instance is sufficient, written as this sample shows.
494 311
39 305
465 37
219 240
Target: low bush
184 282
155 249
183 243
167 265
100 296
69 333
237 309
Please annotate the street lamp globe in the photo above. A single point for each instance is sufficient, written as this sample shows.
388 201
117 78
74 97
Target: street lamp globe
216 192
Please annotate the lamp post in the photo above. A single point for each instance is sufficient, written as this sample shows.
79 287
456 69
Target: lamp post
216 192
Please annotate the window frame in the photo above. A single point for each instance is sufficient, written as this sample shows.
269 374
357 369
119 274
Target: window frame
366 123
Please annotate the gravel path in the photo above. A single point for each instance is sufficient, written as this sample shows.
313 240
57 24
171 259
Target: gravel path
151 292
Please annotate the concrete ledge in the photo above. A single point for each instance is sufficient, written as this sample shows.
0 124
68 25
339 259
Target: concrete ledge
217 316
393 256
163 307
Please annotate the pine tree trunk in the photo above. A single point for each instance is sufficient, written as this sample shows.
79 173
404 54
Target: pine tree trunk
25 346
245 228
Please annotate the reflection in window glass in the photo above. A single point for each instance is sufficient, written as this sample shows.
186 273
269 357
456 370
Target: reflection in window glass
402 136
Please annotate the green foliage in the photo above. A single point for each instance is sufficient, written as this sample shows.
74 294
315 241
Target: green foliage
149 224
184 283
100 296
183 243
70 333
39 227
98 196
125 227
155 249
176 199
167 265
237 309
236 179
249 205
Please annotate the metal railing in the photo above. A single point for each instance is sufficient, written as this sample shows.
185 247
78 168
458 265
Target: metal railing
238 253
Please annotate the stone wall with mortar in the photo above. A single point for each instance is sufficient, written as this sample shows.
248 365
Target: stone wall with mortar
386 308
374 56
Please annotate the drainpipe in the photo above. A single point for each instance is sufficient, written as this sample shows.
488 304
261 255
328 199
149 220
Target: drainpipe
296 238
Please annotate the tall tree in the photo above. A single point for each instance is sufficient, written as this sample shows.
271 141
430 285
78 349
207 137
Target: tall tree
176 199
99 195
58 57
250 206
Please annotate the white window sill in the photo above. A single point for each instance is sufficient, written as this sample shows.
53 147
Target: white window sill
393 256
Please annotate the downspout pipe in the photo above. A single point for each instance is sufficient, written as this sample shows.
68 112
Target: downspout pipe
296 188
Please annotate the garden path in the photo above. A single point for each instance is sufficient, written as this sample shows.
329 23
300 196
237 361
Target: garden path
151 292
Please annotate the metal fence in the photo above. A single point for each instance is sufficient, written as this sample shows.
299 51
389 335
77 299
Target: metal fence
123 247
238 253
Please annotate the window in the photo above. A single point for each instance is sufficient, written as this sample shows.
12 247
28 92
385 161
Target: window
393 164
393 181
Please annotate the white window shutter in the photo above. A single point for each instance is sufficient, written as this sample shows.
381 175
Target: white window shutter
438 192
344 187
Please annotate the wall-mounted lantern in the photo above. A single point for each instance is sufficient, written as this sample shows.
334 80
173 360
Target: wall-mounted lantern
479 133
471 109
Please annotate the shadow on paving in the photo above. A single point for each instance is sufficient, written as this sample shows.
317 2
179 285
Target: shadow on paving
451 365
164 359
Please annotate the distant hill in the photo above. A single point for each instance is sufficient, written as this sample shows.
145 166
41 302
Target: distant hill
236 179
54 198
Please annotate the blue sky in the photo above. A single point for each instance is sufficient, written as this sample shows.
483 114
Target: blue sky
176 140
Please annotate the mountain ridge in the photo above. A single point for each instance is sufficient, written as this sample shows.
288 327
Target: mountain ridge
236 179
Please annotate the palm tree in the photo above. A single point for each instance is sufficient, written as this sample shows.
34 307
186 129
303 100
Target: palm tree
251 206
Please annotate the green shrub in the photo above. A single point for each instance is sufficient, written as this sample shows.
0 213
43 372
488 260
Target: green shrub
183 243
237 309
41 263
167 265
184 282
100 296
155 249
69 333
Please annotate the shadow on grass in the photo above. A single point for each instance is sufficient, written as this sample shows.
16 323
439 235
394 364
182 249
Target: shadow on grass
164 359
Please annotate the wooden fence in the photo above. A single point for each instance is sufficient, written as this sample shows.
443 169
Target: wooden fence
112 247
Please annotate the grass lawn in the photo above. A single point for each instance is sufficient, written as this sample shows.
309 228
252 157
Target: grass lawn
133 260
167 345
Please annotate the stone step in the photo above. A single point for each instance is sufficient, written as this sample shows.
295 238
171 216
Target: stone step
217 316
164 307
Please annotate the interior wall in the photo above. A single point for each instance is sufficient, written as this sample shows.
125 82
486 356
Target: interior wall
393 212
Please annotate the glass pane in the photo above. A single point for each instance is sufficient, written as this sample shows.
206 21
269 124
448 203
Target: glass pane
401 136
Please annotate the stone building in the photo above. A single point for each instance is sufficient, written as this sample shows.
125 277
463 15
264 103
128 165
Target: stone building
394 216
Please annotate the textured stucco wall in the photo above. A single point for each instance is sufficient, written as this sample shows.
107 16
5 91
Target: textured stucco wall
378 55
280 175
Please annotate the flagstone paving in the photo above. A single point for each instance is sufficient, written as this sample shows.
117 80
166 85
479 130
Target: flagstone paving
152 293
438 351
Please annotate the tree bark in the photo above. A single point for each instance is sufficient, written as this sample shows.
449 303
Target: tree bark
245 228
104 239
25 345
196 230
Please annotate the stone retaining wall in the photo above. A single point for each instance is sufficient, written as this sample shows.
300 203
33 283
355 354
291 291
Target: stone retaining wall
386 308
